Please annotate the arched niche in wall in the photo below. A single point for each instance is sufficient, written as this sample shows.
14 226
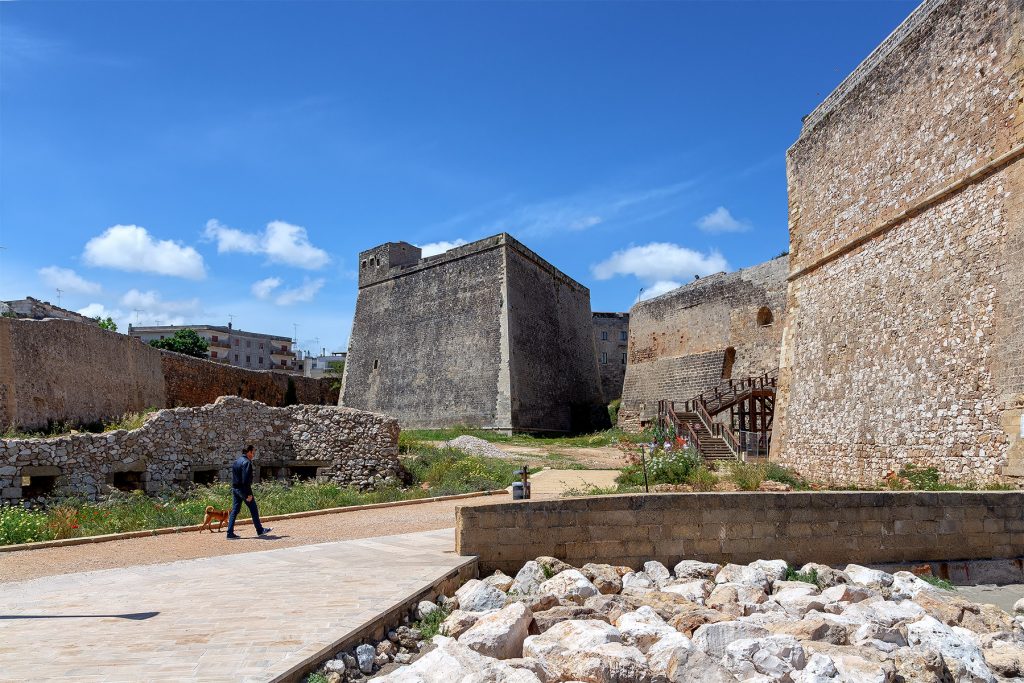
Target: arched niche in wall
730 358
765 317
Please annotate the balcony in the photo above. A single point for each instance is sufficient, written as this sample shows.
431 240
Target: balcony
285 353
219 344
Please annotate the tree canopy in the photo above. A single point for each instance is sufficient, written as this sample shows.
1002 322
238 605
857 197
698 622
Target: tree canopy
185 341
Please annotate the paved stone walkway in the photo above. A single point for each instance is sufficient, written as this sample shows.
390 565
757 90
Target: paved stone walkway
245 617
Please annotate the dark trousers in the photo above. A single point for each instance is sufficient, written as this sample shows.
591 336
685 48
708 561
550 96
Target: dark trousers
236 504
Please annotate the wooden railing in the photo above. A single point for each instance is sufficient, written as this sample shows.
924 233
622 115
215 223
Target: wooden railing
732 390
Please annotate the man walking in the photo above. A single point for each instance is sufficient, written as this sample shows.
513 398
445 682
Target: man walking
241 491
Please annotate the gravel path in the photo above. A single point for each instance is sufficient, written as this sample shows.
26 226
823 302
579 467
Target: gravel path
31 564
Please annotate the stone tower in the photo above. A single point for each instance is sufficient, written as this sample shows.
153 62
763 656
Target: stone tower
486 335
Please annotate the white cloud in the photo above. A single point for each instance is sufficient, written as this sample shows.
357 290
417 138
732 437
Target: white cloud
435 248
658 288
659 262
579 212
132 248
720 220
151 308
94 310
303 293
280 242
68 280
263 288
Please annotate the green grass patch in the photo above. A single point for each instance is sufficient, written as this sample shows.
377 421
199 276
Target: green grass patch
937 582
792 574
316 677
430 625
135 512
451 471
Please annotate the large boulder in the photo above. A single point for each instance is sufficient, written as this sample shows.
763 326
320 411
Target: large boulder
658 572
797 602
587 650
499 580
1006 659
884 612
548 618
663 651
459 621
667 605
848 592
452 661
500 634
529 578
714 638
871 578
738 573
737 599
690 570
776 657
604 576
569 585
477 596
811 629
688 621
827 576
643 628
853 664
536 602
696 590
611 606
920 665
906 586
695 666
638 581
956 645
775 570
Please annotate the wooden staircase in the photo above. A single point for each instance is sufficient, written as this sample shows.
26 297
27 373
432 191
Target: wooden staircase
751 402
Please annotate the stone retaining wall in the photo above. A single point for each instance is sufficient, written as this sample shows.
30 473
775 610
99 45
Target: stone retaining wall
831 528
63 371
181 445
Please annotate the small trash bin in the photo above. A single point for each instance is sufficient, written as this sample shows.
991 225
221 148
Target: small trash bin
518 491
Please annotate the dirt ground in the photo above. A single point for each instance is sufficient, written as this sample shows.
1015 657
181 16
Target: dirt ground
592 458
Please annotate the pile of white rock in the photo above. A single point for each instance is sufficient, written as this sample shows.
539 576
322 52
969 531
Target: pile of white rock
705 622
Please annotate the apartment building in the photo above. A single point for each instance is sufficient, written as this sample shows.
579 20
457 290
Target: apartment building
252 350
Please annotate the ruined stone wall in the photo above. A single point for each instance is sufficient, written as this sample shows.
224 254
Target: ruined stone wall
486 335
686 341
554 377
903 339
66 372
611 351
350 447
426 341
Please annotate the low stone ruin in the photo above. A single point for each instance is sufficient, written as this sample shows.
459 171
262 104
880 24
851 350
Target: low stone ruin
699 622
179 446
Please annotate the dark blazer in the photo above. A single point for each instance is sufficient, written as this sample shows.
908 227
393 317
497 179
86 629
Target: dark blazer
241 475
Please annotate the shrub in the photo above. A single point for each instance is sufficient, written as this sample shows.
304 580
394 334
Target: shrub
702 479
613 411
921 478
447 470
430 625
784 475
746 476
316 677
128 421
937 582
63 522
663 467
807 577
18 525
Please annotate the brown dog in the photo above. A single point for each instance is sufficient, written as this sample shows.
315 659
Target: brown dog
213 513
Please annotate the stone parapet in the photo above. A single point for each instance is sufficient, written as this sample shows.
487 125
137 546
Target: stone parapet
831 528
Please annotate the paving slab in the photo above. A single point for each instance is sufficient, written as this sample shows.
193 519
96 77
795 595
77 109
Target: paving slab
242 617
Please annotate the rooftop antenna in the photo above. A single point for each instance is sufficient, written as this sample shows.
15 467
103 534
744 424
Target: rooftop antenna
137 312
295 330
59 292
231 318
158 321
638 295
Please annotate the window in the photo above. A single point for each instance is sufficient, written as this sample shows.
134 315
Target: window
236 357
261 346
604 335
362 264
236 344
213 354
261 360
213 338
604 358
623 359
764 317
248 359
376 363
248 344
623 335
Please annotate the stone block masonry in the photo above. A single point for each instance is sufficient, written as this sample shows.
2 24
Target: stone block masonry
831 528
486 335
727 325
904 337
67 372
182 445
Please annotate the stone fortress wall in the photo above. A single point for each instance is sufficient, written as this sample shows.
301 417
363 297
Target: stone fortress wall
904 334
182 445
486 335
63 371
686 341
611 349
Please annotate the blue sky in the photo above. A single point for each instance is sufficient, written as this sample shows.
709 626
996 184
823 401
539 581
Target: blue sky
184 162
